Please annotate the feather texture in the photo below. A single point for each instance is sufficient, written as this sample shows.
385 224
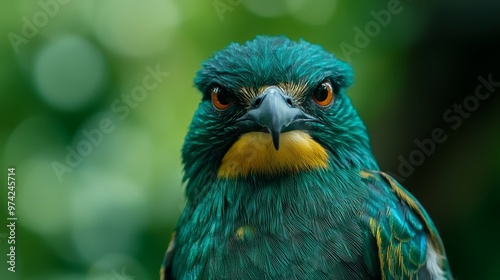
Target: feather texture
317 209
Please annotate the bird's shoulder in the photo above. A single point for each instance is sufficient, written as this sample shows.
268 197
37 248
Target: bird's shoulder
408 242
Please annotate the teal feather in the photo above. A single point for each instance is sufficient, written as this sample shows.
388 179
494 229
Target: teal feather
342 222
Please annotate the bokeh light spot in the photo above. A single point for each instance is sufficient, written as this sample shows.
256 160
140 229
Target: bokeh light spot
136 28
107 213
50 138
69 73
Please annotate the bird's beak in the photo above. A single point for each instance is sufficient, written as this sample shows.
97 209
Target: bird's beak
276 112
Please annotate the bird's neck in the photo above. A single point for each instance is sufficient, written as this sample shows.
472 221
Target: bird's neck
343 160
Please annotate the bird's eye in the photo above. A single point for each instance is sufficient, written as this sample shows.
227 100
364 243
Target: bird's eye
221 98
323 95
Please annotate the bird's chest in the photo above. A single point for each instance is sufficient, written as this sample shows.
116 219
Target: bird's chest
309 238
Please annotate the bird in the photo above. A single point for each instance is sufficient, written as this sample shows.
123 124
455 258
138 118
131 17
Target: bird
280 180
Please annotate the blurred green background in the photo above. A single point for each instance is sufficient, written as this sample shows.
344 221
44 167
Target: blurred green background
112 80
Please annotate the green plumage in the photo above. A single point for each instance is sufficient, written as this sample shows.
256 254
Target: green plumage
346 221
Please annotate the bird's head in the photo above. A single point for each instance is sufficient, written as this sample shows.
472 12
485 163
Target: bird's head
272 107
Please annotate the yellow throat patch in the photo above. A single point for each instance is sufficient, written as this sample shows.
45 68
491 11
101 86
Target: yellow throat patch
254 153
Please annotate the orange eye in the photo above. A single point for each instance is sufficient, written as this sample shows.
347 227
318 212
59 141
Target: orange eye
323 95
220 98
